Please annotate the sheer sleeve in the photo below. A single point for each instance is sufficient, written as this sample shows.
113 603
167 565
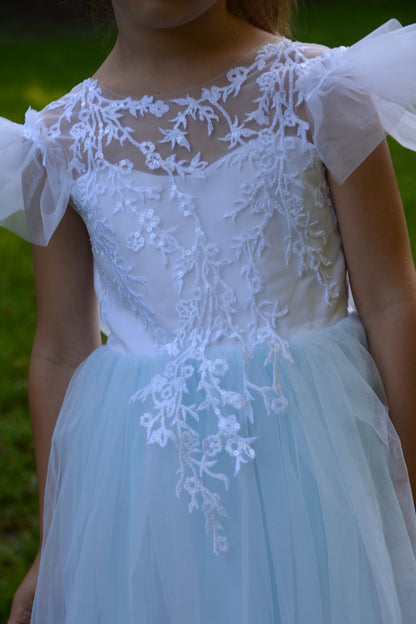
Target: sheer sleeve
35 182
354 96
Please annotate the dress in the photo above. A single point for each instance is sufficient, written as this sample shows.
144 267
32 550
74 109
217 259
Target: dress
228 455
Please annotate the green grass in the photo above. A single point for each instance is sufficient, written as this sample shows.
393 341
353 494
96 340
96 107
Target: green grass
36 66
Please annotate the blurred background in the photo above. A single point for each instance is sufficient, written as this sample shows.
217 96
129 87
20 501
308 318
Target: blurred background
46 47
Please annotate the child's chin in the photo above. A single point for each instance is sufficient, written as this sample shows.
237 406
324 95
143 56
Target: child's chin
163 13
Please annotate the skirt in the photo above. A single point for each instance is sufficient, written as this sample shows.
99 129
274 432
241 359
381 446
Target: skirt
318 525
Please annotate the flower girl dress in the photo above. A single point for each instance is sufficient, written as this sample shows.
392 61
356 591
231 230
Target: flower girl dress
228 455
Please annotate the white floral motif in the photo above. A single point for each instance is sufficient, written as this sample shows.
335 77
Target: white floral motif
211 430
135 241
237 133
176 137
121 274
169 420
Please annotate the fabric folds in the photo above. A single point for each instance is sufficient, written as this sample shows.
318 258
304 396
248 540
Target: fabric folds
355 95
35 181
319 524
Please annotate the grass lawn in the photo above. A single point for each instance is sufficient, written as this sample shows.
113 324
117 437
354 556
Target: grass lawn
37 65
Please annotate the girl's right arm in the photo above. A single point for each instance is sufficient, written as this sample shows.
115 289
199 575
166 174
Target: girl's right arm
67 332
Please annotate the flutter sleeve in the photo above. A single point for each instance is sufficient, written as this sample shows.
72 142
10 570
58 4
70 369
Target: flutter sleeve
355 96
35 182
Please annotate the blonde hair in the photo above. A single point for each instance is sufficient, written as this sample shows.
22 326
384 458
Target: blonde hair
273 16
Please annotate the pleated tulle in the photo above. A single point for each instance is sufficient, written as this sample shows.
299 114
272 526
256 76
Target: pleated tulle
321 524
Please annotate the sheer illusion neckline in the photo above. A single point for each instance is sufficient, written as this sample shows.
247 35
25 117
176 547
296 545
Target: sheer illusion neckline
246 61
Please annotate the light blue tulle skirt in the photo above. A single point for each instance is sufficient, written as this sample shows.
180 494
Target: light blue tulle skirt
321 523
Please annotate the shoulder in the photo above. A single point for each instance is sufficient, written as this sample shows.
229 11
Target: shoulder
300 52
57 118
51 128
310 51
69 98
354 95
299 58
283 62
36 171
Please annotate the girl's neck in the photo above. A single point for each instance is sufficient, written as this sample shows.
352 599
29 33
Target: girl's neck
157 46
157 60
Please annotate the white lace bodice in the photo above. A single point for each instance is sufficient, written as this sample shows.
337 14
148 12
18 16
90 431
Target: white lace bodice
209 214
211 225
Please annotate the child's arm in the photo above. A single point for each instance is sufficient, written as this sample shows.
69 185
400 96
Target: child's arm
67 331
383 282
67 328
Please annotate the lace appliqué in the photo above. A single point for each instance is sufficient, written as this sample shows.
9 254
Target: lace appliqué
208 431
169 416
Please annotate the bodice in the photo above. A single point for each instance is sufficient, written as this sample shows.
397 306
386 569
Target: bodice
209 215
235 256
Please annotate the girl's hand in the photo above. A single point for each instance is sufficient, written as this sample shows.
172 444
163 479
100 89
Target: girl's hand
23 598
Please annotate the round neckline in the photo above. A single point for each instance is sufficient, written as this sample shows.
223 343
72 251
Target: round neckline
110 94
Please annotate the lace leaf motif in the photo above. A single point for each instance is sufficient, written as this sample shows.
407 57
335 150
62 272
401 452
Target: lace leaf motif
167 413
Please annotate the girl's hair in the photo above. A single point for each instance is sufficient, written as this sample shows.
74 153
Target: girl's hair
273 16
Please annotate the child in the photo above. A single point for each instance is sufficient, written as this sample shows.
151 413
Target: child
230 454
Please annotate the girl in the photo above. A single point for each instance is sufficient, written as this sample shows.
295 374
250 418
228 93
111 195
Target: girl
232 454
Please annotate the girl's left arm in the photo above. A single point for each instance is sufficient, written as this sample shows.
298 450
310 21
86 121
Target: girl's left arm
383 282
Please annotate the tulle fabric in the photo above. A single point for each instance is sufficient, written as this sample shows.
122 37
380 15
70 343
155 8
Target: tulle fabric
35 180
355 95
321 524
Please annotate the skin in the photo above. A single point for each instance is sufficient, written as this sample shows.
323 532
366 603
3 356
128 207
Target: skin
67 331
192 42
383 281
166 45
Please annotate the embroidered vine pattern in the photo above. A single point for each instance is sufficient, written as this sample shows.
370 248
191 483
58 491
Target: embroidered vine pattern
207 314
169 417
112 267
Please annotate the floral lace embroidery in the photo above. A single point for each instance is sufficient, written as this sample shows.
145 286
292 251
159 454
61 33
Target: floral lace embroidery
95 124
169 420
